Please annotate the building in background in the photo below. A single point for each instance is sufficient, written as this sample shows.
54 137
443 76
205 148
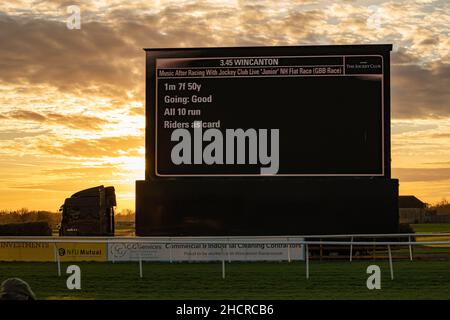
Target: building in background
411 210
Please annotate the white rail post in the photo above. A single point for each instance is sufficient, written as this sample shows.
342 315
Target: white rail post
289 250
223 264
57 260
228 251
373 251
170 251
410 249
390 262
110 251
307 260
140 261
223 268
351 248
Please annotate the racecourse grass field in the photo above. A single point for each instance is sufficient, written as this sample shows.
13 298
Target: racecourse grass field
267 280
426 277
431 227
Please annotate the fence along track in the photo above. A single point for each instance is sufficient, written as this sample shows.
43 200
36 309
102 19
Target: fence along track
310 243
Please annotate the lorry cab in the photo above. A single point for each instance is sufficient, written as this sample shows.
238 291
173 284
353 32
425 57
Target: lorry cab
89 212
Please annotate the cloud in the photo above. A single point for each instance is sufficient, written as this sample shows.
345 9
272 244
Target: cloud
421 174
420 91
400 56
27 115
438 163
404 127
103 170
137 111
13 134
95 148
442 135
38 51
75 121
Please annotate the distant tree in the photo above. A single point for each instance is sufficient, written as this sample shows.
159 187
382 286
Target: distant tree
442 207
125 215
126 212
23 211
25 216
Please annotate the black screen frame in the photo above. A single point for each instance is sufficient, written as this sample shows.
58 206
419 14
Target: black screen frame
346 50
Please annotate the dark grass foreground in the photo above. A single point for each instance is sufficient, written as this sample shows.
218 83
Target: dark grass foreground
328 280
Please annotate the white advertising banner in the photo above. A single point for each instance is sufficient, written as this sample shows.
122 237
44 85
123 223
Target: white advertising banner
260 250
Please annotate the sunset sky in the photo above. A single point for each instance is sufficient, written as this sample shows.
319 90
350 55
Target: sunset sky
72 101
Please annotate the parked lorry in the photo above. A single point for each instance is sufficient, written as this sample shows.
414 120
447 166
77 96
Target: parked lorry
89 212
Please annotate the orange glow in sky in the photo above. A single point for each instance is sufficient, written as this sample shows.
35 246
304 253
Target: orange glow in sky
72 101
